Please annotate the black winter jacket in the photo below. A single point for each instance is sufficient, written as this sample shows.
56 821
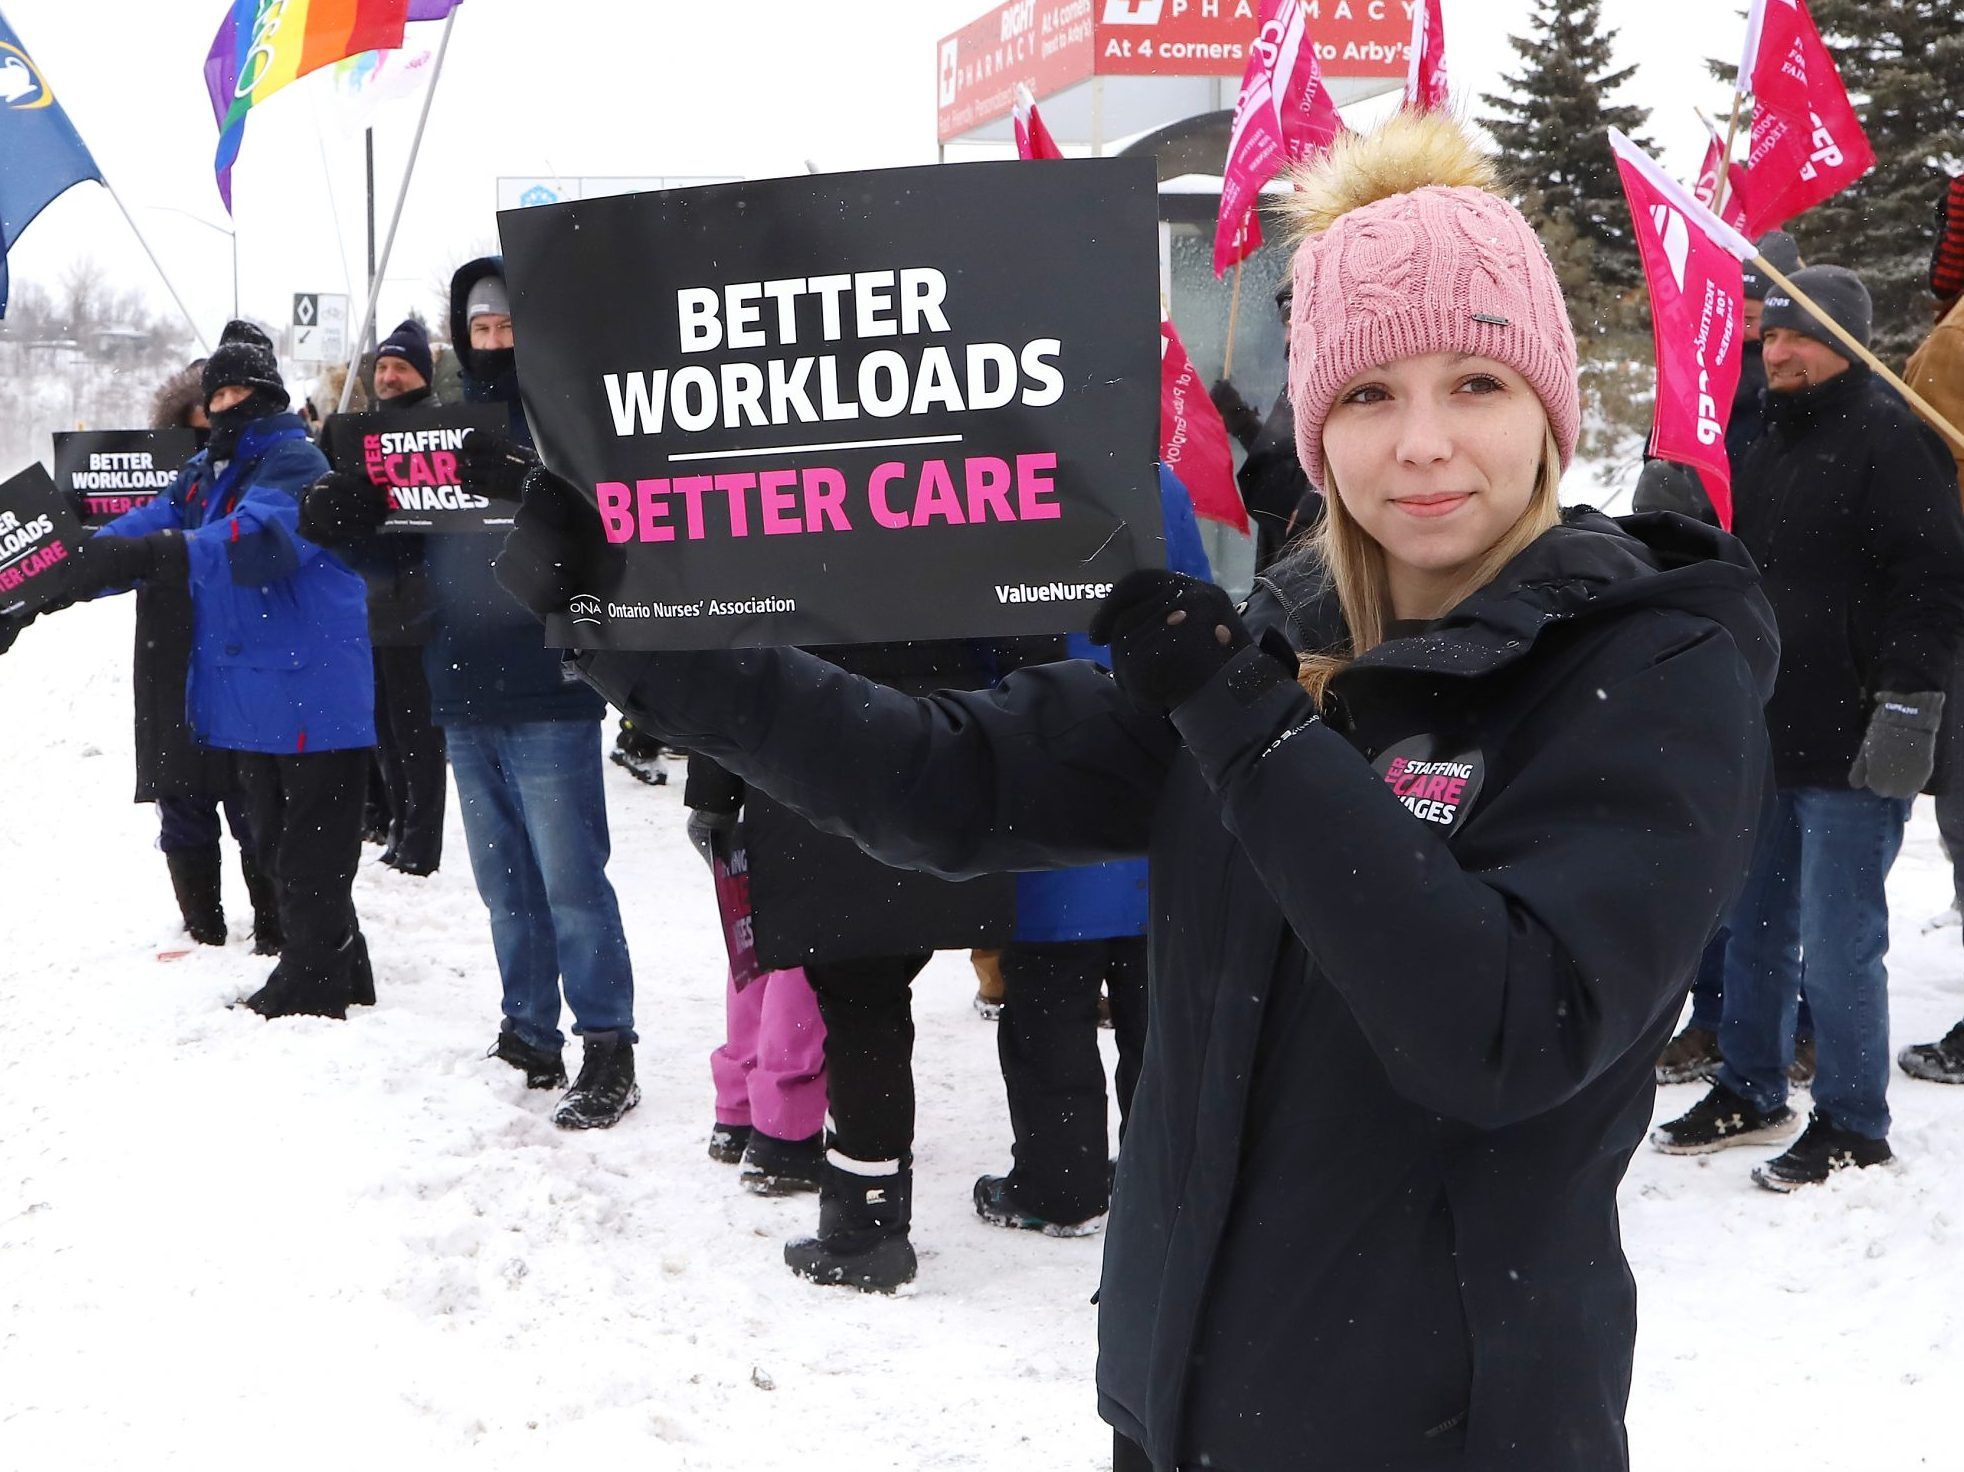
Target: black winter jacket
1402 1030
486 658
170 761
1849 505
815 896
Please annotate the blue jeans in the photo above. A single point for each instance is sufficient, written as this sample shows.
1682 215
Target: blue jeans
535 818
1817 888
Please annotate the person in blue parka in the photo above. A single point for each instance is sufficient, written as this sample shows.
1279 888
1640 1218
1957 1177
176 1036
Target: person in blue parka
280 668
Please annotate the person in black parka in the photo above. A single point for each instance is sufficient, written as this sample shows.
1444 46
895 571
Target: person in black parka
188 782
1439 820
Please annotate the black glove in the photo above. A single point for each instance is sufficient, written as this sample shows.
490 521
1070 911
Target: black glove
343 506
554 547
494 465
101 563
1169 635
1899 751
704 827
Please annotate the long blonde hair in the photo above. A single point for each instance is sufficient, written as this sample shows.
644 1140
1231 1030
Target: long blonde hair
1353 560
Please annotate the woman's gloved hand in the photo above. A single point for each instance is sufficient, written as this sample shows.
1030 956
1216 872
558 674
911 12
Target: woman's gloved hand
705 827
495 465
1169 635
343 506
553 547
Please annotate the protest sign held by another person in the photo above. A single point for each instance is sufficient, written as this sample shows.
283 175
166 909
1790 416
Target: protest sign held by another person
412 454
105 472
37 533
809 412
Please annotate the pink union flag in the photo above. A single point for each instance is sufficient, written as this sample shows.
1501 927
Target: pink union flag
1691 262
1807 143
1033 139
1258 146
1706 189
1193 441
1425 78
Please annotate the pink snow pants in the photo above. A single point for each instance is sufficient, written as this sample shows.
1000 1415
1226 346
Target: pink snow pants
771 1072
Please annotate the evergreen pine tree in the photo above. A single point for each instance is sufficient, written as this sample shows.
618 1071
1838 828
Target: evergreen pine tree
1903 63
1553 130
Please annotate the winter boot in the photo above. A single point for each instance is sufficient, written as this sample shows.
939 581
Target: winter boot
1940 1063
727 1142
194 876
994 1205
542 1069
301 989
266 936
862 1231
639 755
361 975
1824 1149
774 1167
1721 1120
1690 1057
605 1089
988 984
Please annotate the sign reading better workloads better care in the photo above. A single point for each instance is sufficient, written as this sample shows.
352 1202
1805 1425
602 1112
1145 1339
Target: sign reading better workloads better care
908 404
37 532
412 454
105 472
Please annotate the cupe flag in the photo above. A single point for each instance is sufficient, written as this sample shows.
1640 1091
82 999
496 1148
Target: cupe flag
41 154
1692 263
1284 114
262 45
1807 142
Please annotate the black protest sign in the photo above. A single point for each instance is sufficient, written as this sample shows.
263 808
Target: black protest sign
37 532
413 454
906 404
105 472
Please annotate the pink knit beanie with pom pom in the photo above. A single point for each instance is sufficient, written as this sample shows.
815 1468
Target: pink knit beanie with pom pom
1407 251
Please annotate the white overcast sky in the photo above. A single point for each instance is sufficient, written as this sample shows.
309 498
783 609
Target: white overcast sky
583 87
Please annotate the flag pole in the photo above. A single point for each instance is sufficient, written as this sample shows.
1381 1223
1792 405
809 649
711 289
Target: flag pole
196 331
1725 155
1847 339
402 197
1234 312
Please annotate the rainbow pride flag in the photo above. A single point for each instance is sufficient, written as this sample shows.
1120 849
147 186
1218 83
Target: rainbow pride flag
263 44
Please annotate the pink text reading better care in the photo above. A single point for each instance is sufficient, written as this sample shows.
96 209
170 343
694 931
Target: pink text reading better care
773 503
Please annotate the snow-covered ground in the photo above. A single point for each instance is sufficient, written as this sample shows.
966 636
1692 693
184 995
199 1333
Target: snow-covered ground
226 1243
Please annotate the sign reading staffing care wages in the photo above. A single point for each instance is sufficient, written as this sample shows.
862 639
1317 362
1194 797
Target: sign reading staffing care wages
907 404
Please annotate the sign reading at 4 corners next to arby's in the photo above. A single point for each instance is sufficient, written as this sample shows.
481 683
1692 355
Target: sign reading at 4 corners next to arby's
905 404
1050 45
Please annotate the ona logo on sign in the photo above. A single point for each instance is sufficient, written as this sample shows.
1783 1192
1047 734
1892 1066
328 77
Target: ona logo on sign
1133 12
21 86
1676 236
584 609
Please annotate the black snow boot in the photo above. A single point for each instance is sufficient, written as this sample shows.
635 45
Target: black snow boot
727 1142
304 989
266 936
361 975
774 1167
542 1069
1940 1062
194 876
995 1205
862 1231
605 1089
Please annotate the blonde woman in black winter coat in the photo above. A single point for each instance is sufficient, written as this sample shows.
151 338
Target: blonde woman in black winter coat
1439 822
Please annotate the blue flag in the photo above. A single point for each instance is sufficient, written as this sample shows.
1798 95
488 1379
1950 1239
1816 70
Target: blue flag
41 154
